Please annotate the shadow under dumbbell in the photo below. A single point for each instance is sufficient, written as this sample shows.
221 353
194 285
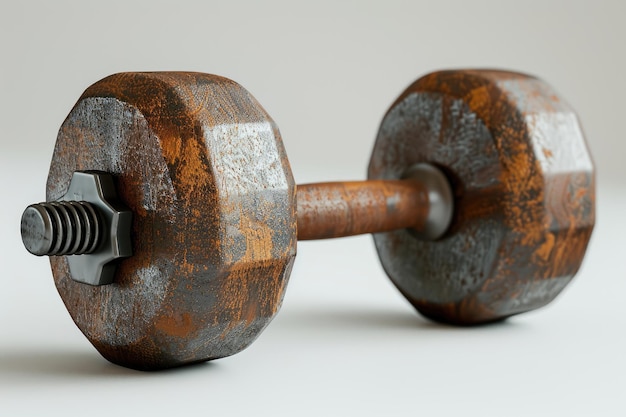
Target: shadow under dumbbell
375 320
68 364
31 365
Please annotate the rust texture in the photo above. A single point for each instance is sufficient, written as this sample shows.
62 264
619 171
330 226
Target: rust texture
524 194
328 210
203 168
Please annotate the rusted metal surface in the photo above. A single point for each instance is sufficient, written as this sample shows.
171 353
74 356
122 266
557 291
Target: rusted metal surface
202 167
336 209
524 194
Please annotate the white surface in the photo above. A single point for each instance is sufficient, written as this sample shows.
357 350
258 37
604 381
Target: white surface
345 342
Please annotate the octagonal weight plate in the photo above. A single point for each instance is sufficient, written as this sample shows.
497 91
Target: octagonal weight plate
203 169
524 194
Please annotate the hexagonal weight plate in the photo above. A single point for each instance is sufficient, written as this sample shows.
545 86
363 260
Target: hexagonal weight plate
203 169
524 194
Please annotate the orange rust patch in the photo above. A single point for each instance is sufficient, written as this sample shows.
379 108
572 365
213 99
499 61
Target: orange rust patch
258 239
545 250
177 325
188 154
480 100
171 147
547 153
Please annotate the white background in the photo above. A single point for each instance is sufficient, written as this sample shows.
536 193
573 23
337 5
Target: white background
345 342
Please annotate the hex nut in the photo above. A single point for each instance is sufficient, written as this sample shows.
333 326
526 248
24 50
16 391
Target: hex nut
98 267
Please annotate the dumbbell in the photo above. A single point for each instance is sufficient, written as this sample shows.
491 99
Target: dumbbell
172 215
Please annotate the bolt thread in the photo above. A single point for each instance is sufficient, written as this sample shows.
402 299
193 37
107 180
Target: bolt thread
61 228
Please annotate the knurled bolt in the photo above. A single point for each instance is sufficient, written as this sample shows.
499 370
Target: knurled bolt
61 228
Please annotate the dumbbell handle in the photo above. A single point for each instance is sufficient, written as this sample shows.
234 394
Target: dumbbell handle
422 202
336 209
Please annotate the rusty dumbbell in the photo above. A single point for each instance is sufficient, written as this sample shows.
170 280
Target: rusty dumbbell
480 197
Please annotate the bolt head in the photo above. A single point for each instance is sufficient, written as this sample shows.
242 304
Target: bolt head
36 230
